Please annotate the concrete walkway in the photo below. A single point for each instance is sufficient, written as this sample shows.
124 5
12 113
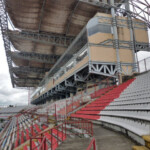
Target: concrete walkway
111 140
105 140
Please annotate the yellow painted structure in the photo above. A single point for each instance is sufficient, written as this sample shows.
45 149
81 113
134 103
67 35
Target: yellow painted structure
139 148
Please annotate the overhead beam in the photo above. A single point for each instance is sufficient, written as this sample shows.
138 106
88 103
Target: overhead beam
42 12
43 58
103 4
29 70
26 85
49 38
28 80
28 75
31 79
70 17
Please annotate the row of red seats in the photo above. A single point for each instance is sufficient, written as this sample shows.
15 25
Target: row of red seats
51 138
24 135
17 141
34 145
92 110
101 92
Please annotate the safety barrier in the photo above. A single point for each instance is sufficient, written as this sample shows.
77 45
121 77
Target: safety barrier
58 134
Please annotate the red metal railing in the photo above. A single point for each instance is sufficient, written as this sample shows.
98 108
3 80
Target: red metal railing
69 106
43 144
58 134
92 144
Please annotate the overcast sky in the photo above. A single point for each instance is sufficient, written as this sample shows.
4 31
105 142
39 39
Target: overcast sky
9 95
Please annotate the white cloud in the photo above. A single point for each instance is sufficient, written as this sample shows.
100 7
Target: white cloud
9 95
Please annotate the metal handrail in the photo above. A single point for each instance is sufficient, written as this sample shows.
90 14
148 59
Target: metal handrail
61 131
92 143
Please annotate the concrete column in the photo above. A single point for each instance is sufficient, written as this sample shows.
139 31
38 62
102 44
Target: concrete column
116 39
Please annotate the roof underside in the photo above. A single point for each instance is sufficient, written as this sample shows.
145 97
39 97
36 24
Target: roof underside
63 19
66 17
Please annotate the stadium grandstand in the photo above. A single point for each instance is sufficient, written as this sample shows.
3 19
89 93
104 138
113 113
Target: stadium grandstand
79 61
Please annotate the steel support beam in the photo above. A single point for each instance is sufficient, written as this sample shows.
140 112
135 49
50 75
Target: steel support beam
69 83
29 70
71 15
43 58
60 88
28 75
79 78
25 83
42 12
51 39
104 69
142 47
97 3
71 89
30 80
115 35
132 38
20 85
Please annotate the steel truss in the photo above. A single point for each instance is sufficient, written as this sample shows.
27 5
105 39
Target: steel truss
69 83
109 69
105 69
51 39
4 28
43 58
79 77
